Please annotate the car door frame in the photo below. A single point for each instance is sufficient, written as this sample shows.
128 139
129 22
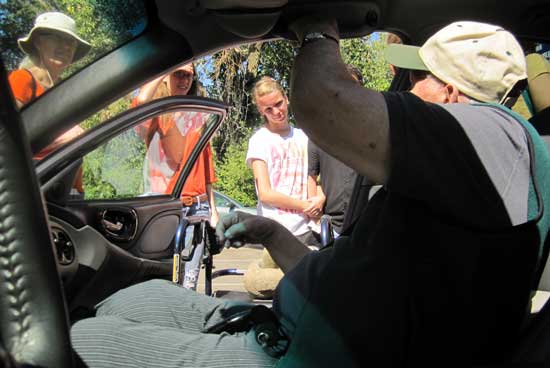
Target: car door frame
162 209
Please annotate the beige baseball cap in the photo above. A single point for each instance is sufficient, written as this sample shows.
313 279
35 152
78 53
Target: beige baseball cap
54 21
482 60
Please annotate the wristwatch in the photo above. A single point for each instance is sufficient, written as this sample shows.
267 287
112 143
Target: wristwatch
314 36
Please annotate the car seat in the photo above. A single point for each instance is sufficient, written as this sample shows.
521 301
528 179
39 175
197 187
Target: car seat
538 97
533 348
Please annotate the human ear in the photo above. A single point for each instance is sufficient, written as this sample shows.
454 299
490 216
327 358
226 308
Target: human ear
451 93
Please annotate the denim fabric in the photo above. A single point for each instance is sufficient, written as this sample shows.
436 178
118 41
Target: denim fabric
192 267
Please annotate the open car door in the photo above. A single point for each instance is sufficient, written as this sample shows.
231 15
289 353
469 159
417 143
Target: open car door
119 228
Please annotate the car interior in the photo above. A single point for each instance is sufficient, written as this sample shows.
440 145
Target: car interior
60 255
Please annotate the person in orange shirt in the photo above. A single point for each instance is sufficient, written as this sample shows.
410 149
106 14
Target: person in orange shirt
170 139
51 46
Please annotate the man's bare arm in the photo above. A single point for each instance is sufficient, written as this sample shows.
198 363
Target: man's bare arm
325 98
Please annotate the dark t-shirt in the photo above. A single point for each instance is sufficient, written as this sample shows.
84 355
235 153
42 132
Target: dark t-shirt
434 272
337 180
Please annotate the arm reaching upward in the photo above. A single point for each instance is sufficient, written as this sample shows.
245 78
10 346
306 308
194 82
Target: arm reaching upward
327 99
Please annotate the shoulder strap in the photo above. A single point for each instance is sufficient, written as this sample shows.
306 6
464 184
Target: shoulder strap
33 84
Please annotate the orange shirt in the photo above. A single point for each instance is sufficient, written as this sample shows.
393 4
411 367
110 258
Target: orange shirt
25 89
202 172
22 85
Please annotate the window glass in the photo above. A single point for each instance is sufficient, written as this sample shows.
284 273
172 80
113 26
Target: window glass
543 49
229 75
145 160
45 41
220 200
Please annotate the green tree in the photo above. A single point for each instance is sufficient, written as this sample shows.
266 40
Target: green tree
367 54
234 177
233 73
103 23
109 112
115 169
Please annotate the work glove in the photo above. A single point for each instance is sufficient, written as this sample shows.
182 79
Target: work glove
239 228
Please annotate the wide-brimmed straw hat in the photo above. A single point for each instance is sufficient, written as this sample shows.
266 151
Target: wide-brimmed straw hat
58 22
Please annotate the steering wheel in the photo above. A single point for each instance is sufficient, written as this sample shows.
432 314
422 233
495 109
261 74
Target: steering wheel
34 326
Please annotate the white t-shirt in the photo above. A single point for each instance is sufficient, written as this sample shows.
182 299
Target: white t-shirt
286 160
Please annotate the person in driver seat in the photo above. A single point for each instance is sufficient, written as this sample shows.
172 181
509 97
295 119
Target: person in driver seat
439 267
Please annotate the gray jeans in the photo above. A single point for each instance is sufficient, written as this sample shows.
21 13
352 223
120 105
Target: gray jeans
160 324
192 267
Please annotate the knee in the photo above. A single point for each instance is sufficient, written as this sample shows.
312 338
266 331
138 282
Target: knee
87 332
261 278
92 339
136 296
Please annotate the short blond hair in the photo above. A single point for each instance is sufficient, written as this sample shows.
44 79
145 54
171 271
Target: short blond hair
264 86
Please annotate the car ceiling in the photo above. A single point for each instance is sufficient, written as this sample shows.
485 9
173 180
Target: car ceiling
414 19
180 31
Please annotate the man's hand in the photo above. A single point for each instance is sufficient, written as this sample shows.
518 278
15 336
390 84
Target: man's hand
237 228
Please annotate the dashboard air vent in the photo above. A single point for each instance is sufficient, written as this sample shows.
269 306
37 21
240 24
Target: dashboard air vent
63 246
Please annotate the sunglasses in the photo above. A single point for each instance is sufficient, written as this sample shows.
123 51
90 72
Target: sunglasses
180 74
59 37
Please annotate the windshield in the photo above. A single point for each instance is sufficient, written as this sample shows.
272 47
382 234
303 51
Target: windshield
44 42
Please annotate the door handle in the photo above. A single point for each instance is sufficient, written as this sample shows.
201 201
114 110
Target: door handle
119 224
113 227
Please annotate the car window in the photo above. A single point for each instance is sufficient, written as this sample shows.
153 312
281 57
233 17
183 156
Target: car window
221 201
229 75
44 42
145 160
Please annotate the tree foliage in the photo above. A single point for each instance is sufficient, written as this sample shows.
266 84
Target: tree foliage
233 73
235 177
115 169
228 75
120 20
367 54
